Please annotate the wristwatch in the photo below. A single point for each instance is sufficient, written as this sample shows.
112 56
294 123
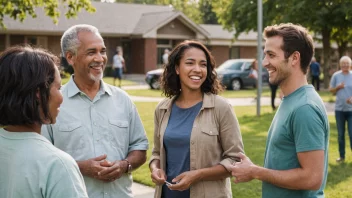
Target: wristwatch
129 166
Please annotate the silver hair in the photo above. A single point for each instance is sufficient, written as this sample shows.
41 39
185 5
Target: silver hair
347 58
70 41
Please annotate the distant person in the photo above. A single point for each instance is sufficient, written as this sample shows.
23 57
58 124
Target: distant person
99 125
196 133
30 96
118 65
254 71
296 154
165 56
341 85
315 73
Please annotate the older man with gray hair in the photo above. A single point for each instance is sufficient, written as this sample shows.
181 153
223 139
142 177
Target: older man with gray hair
99 125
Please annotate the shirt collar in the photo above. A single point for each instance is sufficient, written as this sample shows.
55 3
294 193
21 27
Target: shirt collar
72 88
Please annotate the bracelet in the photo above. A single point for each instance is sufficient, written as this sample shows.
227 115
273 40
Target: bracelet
129 166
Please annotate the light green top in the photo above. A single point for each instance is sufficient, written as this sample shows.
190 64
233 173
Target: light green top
299 125
109 124
31 167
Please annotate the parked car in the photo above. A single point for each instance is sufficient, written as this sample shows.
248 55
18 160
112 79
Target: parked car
152 78
234 74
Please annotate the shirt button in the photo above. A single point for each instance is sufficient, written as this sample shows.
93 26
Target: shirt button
210 132
192 142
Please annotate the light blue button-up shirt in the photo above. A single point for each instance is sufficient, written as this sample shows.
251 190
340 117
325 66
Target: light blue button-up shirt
108 124
343 94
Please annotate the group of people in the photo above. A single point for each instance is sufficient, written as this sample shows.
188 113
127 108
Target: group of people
96 141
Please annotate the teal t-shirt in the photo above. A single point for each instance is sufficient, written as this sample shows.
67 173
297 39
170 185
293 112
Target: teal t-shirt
299 125
32 167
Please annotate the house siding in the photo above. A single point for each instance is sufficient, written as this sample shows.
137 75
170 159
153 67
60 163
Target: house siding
248 52
150 58
220 53
176 27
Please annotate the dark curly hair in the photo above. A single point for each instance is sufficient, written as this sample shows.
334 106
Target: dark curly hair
170 81
24 72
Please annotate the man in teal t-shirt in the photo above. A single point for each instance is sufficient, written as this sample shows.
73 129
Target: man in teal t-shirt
296 156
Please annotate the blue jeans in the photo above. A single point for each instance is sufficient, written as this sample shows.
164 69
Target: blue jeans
341 118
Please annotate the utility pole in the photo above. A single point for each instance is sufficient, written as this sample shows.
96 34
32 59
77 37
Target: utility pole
259 54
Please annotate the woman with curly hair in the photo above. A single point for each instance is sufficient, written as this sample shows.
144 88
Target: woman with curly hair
196 133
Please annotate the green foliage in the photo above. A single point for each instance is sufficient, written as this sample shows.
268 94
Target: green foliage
206 9
19 9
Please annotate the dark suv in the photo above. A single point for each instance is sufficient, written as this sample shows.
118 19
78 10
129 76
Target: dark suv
234 74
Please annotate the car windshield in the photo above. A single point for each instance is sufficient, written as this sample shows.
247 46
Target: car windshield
231 65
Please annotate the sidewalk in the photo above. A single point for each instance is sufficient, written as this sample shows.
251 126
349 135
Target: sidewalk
142 191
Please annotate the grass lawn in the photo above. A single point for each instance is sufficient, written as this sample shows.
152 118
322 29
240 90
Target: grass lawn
246 93
254 133
108 80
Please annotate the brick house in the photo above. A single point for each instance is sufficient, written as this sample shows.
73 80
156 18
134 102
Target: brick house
143 32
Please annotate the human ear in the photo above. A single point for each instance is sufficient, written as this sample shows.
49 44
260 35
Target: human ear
296 58
70 57
177 69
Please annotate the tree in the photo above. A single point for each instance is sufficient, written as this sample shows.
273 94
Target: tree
206 10
19 9
342 37
319 16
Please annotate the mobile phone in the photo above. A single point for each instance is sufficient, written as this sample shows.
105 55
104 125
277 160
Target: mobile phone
168 183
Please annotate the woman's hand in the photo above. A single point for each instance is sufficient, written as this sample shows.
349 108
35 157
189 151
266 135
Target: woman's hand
158 176
185 180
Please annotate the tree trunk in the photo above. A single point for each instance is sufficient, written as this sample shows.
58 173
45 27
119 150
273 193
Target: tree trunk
326 33
342 48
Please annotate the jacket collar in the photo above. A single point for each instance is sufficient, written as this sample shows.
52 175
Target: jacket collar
208 101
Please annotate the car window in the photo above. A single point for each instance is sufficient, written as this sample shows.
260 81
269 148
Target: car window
247 65
231 65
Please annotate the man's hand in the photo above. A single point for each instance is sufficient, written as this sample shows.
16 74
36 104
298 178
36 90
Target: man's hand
340 86
158 176
112 171
242 171
185 180
92 167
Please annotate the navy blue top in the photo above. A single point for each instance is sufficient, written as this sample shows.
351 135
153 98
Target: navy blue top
315 69
177 145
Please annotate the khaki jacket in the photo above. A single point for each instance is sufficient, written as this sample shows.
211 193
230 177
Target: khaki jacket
215 139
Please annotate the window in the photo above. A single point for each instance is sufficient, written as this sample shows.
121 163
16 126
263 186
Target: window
38 41
234 52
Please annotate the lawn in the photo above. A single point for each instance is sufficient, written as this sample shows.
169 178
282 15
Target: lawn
254 132
246 93
108 80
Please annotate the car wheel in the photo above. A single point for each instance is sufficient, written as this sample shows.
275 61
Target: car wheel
154 84
236 84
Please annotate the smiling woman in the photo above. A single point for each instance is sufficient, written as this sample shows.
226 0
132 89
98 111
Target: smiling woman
191 124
